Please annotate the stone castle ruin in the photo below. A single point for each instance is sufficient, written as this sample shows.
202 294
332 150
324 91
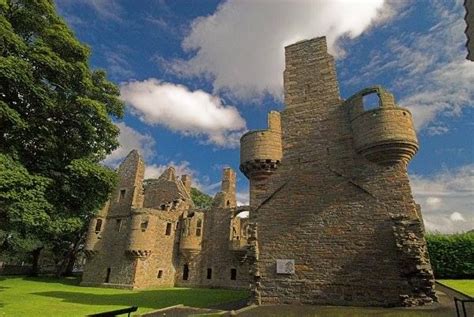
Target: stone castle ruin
332 217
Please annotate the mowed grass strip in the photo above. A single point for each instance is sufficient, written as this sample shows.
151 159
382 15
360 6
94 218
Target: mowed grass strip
43 296
464 286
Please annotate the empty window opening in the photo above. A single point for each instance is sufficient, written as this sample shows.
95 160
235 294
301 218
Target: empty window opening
122 194
107 276
185 272
118 224
233 274
144 225
209 274
160 273
228 203
199 227
98 225
371 101
168 229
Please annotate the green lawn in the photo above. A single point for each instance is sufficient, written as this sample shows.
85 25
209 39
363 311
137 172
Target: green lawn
22 296
464 286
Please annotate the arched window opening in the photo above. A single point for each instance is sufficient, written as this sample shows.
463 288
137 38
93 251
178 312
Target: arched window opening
98 225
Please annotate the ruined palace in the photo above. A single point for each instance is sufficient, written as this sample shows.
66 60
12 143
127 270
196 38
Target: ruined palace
332 217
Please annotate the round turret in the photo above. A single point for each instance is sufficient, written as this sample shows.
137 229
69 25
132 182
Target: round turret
261 150
191 234
96 226
384 135
141 239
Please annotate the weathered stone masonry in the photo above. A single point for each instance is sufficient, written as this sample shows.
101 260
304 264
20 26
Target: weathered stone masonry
329 198
337 198
150 234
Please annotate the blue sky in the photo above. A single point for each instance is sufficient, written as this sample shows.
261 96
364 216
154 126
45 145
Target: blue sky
195 75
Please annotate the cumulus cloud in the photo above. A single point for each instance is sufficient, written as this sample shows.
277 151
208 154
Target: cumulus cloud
130 139
428 67
446 199
241 46
181 168
203 183
194 113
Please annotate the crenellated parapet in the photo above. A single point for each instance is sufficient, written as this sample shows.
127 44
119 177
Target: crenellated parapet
261 150
384 135
192 226
142 233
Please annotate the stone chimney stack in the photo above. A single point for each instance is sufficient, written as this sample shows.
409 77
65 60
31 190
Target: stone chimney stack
187 181
228 181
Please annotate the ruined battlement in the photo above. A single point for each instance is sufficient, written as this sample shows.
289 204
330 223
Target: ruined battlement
384 135
261 149
330 199
339 196
150 234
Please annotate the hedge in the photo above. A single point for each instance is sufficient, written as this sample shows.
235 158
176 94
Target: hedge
452 256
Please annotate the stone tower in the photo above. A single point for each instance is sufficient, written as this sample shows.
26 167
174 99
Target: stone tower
260 155
333 217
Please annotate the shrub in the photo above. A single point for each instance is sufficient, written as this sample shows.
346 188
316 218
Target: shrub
452 255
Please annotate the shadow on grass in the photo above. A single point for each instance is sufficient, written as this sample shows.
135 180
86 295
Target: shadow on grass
151 298
74 281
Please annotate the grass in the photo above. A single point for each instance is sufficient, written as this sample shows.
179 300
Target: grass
464 286
43 296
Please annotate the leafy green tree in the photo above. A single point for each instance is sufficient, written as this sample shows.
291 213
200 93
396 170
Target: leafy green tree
55 128
200 199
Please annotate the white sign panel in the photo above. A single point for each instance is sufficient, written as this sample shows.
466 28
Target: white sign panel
285 266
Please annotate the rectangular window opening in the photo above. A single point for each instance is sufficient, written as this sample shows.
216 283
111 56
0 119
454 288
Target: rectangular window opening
122 194
209 274
160 273
233 274
118 224
107 277
168 229
185 272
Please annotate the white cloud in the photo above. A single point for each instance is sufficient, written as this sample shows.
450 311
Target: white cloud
243 198
195 113
429 66
130 139
446 199
457 216
181 168
202 183
241 46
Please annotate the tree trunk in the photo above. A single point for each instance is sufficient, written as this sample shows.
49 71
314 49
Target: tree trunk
36 255
67 264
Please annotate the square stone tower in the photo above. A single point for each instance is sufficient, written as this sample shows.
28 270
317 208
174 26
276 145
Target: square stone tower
333 220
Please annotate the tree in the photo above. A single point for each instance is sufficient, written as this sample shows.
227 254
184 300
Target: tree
55 127
200 199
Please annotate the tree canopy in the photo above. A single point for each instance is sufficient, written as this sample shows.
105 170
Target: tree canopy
55 127
200 199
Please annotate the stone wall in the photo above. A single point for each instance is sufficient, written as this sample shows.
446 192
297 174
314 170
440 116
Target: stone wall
330 209
150 231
